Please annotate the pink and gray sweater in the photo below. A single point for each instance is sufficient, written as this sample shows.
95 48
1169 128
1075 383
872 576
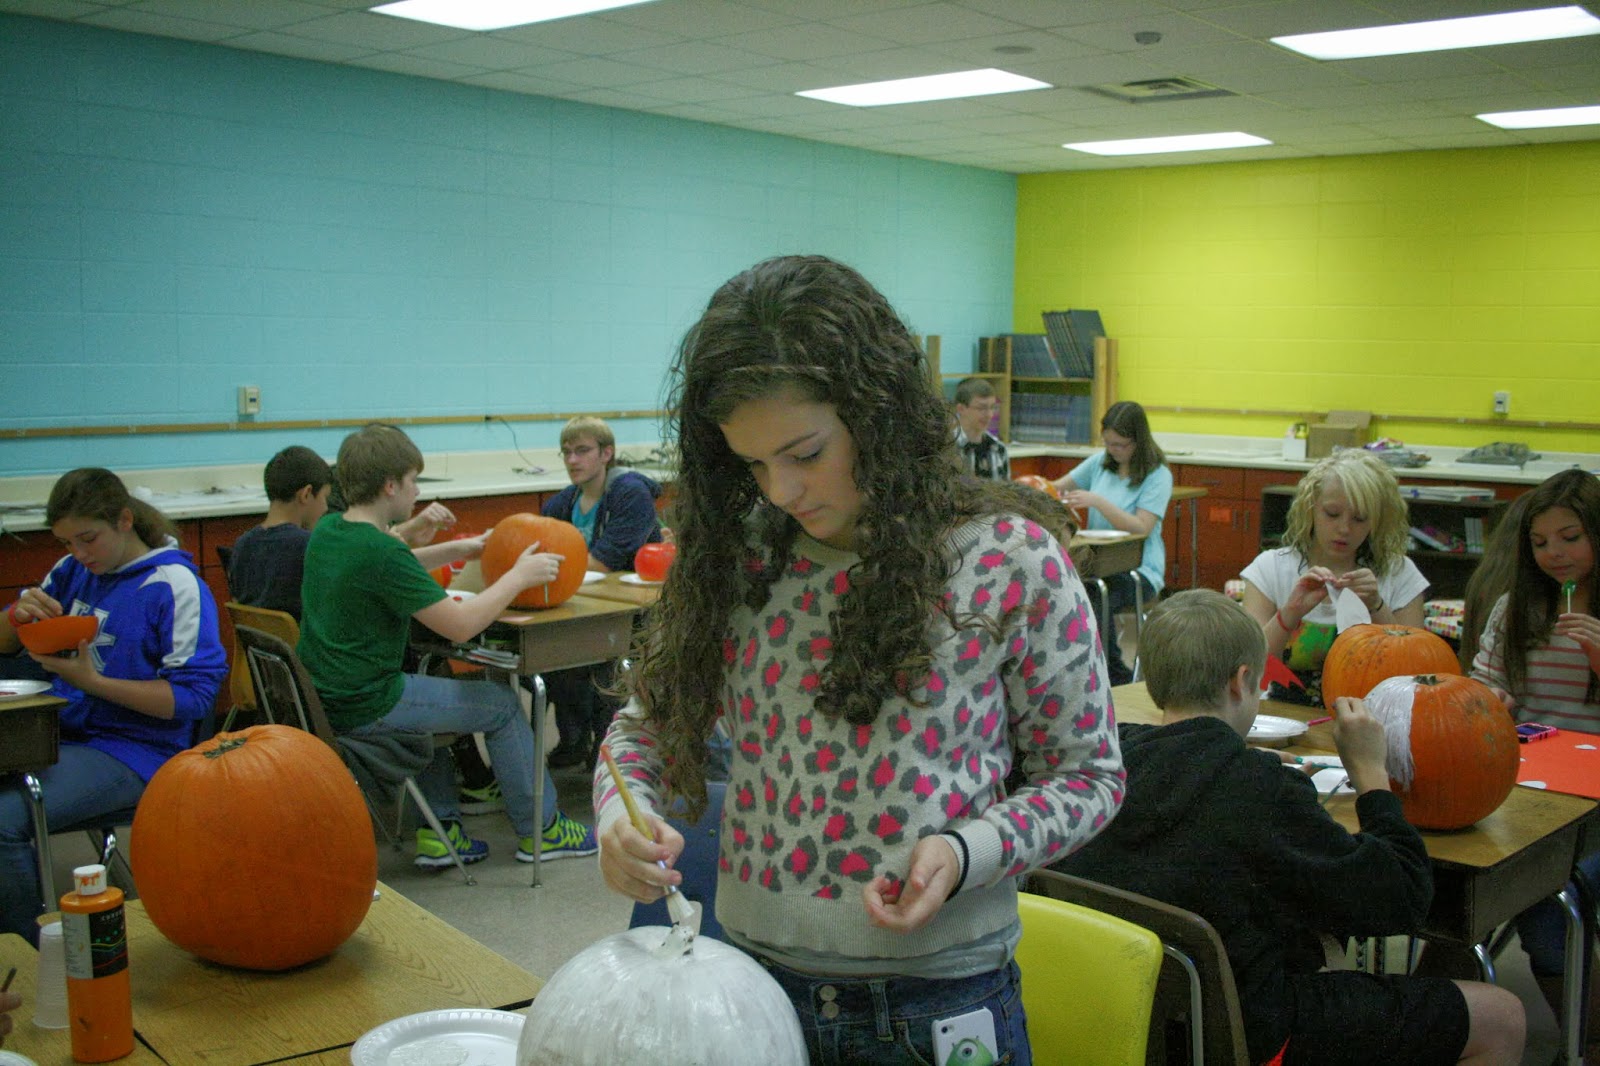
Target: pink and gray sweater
816 807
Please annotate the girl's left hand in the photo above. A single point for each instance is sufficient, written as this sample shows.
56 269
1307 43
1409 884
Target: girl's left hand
1585 629
1079 500
1364 583
935 868
77 671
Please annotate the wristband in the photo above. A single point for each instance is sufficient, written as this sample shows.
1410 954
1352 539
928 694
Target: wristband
11 613
964 858
1285 626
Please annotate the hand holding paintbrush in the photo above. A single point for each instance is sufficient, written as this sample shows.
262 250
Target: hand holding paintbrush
684 913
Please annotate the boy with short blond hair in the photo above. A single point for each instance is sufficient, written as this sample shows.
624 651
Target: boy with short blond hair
1238 837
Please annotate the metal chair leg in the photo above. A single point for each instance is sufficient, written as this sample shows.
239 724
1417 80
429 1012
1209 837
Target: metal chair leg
41 842
540 703
434 824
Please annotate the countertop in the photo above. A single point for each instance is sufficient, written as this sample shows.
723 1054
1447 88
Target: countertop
214 491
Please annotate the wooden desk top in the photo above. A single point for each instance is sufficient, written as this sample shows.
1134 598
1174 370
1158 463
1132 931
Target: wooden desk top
612 587
402 960
1527 816
579 606
1188 492
32 703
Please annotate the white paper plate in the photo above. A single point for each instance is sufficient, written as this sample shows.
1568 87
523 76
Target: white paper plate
15 1058
634 579
22 688
461 1037
590 576
1271 727
1102 534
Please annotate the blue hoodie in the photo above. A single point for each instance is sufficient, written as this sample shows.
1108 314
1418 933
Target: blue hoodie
157 621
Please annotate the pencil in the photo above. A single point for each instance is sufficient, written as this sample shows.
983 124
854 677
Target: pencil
10 976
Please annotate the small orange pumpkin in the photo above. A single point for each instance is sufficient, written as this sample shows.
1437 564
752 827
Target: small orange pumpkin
1034 481
652 561
1452 747
514 534
255 849
1364 655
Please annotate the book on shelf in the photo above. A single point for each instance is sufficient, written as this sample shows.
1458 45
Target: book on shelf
1050 417
1437 539
1449 493
1072 336
1472 526
1031 356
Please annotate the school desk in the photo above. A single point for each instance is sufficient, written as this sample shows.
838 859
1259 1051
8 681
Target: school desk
1483 875
402 960
30 740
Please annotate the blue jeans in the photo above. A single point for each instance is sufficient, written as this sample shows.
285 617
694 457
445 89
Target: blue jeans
888 1021
1542 928
444 705
1119 589
83 784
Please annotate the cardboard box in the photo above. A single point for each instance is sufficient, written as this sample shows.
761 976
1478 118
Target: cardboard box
1341 429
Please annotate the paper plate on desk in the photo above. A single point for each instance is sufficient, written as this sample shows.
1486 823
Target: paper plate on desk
591 576
1331 779
461 1037
634 579
1102 534
22 689
1269 729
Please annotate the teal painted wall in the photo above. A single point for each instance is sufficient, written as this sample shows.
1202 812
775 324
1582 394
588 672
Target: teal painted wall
179 219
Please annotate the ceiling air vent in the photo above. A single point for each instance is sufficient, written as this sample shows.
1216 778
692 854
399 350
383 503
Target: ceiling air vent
1153 89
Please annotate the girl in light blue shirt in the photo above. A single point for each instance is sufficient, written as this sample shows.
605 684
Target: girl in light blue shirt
1127 486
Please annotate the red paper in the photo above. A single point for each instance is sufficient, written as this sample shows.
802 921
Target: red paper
1567 762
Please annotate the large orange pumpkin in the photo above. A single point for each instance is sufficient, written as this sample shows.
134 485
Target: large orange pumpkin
513 535
1452 747
255 849
1364 655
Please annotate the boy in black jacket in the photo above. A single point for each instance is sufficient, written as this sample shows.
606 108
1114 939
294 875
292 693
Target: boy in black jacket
1238 837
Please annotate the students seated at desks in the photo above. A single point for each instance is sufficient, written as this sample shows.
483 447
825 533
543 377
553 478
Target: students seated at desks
268 561
1126 485
1540 650
1347 531
1238 837
134 693
981 451
353 640
615 510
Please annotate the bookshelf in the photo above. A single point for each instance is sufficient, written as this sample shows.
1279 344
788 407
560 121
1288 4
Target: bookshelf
947 383
1044 404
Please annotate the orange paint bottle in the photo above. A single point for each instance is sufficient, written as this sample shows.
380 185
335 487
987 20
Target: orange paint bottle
99 999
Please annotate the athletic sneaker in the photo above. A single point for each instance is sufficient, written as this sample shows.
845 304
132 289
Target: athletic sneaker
433 855
565 839
485 800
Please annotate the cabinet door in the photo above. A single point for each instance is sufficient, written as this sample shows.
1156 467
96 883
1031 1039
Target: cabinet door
1228 531
1226 482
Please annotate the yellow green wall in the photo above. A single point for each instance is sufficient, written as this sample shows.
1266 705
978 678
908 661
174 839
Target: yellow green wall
1407 283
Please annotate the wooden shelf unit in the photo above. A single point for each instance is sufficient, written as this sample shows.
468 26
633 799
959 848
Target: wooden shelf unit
995 362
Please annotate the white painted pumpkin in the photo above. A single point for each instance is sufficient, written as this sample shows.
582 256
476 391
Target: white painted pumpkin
618 1002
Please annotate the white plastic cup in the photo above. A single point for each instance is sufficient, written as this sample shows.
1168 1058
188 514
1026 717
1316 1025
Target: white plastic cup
50 991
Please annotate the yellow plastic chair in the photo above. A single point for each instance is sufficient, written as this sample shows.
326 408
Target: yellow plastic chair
1088 982
280 624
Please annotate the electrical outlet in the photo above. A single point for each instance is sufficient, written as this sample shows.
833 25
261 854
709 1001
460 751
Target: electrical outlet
1502 403
249 399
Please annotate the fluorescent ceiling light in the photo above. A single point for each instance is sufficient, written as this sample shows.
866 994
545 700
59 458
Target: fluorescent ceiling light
1545 117
1193 142
496 14
1511 27
962 83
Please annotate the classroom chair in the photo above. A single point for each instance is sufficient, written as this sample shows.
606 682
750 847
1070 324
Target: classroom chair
280 624
102 831
1195 995
1088 982
286 694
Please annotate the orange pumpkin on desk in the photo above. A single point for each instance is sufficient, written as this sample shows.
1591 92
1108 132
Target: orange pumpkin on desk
514 534
1044 485
652 561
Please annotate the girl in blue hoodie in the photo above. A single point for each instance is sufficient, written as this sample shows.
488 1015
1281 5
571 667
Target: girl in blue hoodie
134 693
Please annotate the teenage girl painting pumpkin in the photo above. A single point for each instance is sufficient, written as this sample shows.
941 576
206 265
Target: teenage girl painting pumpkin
135 693
885 641
1347 532
1542 655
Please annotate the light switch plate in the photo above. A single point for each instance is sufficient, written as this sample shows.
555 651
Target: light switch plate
249 399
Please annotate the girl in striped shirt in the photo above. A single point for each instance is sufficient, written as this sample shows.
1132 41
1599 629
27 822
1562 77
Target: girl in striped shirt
1540 651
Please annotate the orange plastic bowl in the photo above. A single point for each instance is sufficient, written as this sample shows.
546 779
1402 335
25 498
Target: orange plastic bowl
50 636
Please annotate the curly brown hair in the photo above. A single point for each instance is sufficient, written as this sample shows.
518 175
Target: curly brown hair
811 325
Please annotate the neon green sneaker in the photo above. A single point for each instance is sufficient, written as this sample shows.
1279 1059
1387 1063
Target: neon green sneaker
565 839
433 855
483 800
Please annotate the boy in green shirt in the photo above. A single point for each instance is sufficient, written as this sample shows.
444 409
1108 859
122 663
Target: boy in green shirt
361 589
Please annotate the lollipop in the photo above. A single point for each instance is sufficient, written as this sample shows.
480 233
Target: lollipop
1566 590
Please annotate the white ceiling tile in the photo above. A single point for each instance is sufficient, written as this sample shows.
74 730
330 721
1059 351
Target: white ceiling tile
512 81
707 18
122 18
817 42
595 36
256 15
927 23
287 44
695 57
417 66
595 72
490 54
66 10
380 32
